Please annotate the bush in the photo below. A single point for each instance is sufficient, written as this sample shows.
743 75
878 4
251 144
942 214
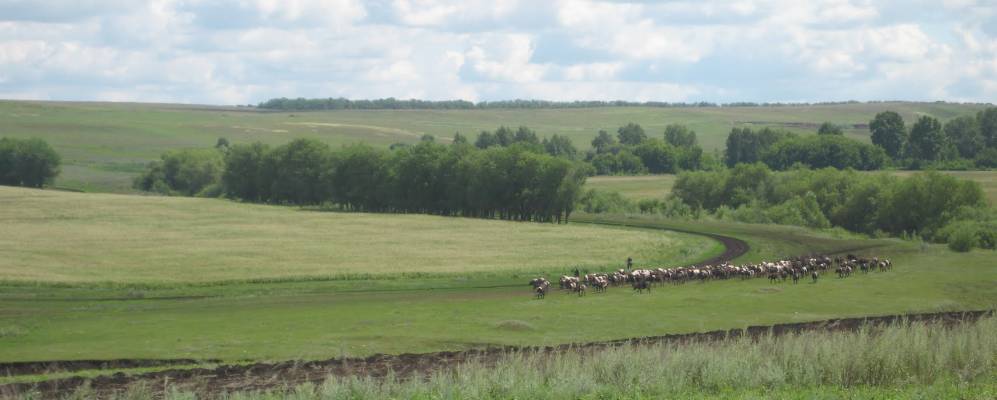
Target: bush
963 238
987 158
27 162
597 201
184 172
671 208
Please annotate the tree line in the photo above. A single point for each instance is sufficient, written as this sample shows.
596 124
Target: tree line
963 142
27 162
632 151
929 204
781 149
459 179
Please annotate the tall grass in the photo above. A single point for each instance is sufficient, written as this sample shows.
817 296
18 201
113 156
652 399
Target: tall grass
904 358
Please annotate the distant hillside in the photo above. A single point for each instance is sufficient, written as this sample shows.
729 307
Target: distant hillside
105 144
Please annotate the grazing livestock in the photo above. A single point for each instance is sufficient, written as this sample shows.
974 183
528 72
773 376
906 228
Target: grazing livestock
580 289
776 271
541 291
540 287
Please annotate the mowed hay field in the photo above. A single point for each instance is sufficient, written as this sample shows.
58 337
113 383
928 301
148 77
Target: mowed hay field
660 186
105 145
63 237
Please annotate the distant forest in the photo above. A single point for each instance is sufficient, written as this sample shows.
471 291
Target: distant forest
391 103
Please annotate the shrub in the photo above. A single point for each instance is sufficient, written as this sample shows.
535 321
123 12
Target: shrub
597 201
963 238
27 162
183 172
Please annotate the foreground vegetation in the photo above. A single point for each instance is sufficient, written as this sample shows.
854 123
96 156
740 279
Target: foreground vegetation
62 237
904 360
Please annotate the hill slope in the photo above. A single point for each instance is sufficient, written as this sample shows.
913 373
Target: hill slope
51 236
105 144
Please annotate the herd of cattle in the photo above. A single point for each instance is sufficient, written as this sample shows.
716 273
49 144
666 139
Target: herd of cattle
779 271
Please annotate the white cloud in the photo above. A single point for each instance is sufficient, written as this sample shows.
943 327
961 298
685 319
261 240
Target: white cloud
505 57
241 51
592 71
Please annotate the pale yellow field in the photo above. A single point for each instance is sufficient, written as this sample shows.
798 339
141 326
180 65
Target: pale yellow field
56 236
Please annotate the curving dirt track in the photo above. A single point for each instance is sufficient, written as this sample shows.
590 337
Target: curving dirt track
733 247
228 378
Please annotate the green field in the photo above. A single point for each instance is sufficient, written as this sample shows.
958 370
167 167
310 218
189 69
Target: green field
160 299
104 145
660 186
63 237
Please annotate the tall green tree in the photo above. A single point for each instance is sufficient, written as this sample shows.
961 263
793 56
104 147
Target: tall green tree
560 146
926 139
657 156
964 133
680 136
747 146
603 142
525 135
889 132
485 140
28 162
301 171
505 136
828 128
987 121
361 178
631 134
245 176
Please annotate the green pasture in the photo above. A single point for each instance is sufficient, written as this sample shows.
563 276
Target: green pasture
660 186
74 238
179 309
105 144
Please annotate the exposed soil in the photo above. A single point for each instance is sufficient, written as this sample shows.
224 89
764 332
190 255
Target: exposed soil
228 378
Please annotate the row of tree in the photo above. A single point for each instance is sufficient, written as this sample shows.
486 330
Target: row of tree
781 150
928 140
631 151
27 162
457 180
881 203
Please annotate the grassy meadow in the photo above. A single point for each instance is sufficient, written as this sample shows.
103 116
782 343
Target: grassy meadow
104 145
75 238
660 186
316 319
897 362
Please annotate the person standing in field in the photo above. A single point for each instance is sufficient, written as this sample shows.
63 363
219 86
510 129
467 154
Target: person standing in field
630 263
576 273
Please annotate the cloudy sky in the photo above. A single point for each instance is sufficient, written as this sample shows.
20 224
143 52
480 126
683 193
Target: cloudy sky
246 51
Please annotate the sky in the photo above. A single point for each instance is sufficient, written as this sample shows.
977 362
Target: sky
247 51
